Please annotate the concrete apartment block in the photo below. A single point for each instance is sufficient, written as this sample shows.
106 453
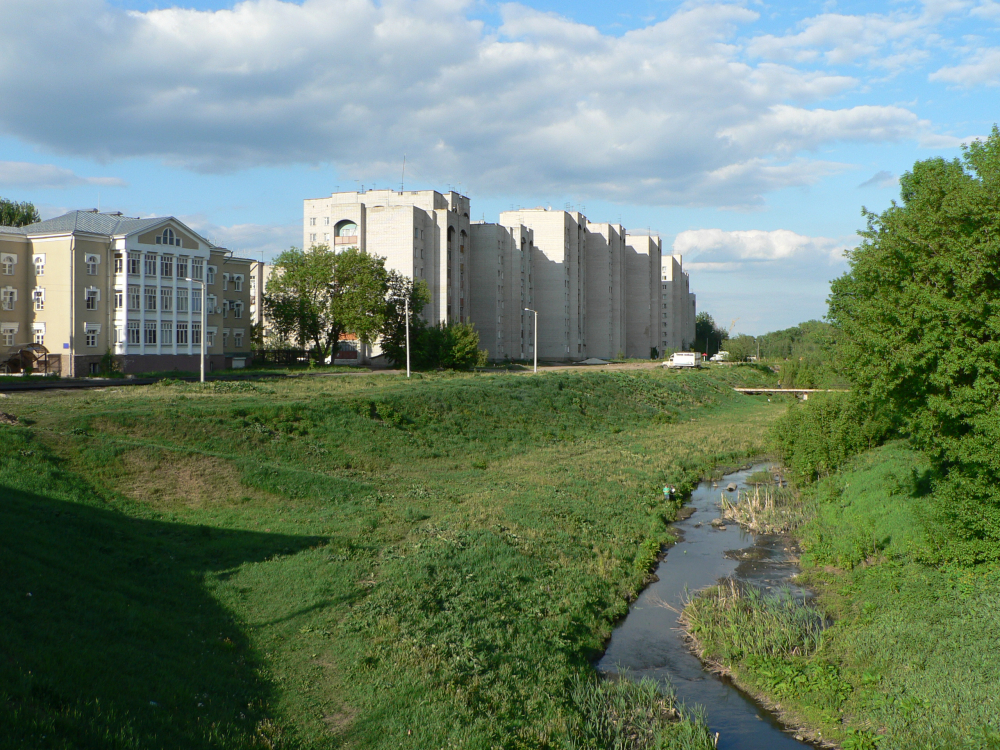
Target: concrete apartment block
643 255
501 287
606 291
422 234
86 283
678 306
558 279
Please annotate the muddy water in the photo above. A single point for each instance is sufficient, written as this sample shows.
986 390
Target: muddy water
648 641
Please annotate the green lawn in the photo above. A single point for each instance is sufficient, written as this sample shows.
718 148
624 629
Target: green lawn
362 562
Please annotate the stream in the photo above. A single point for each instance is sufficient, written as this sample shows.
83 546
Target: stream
649 643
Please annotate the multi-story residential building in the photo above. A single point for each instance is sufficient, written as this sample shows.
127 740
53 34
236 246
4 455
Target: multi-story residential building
558 279
422 234
502 259
643 256
606 292
677 307
88 283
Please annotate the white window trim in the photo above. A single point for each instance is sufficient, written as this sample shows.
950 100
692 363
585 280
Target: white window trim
9 327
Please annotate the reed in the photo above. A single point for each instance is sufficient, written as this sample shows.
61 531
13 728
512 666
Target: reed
764 509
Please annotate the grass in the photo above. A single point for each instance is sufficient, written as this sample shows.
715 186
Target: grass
345 562
911 658
766 509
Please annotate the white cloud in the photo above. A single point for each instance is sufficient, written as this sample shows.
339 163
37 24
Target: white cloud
248 240
667 114
29 176
882 179
937 140
981 69
720 250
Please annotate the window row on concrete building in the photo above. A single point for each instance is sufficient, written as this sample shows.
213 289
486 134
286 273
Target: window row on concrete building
599 290
86 284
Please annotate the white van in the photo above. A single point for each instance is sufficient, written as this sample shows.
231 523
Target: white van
684 359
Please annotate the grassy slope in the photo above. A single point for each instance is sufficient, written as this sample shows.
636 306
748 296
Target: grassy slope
358 561
912 660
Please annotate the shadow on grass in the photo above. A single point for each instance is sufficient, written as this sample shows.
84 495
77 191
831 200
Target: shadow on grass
109 639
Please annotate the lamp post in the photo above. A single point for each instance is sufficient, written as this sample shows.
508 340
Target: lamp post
204 329
528 309
406 304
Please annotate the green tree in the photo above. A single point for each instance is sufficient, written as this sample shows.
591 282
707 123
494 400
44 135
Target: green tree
394 325
918 316
14 214
741 348
314 296
708 337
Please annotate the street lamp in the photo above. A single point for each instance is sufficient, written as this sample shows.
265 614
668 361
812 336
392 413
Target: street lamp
406 305
528 309
204 329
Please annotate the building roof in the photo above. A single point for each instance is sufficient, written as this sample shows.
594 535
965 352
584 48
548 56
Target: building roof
12 230
93 222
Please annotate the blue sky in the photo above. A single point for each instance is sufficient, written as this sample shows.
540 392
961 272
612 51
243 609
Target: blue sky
748 134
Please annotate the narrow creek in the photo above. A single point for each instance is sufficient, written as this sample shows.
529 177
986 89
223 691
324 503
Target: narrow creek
649 643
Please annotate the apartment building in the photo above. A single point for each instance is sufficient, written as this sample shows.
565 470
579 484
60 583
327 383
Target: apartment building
422 234
643 257
677 306
606 292
502 259
87 283
558 279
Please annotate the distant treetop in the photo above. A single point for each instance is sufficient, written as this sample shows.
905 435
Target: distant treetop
14 214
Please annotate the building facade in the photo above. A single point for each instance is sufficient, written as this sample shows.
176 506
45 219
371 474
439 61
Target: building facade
86 284
422 234
678 307
643 257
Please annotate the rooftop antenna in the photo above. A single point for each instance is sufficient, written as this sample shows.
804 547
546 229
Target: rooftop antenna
402 177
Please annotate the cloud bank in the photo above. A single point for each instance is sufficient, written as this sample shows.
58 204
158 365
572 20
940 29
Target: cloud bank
677 113
22 174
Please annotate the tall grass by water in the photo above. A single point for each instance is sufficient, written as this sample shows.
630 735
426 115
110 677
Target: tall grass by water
345 562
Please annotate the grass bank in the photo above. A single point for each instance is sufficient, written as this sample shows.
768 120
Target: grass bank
345 562
910 658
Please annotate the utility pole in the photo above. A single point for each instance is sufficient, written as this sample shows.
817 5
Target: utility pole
406 302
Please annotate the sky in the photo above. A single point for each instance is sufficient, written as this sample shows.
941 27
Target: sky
749 135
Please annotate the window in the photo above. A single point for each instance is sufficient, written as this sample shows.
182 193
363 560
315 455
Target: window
38 296
133 332
166 266
91 336
225 308
91 262
151 298
167 332
237 309
149 332
133 297
212 302
196 301
166 299
133 263
225 338
312 237
326 237
168 238
39 265
91 296
225 282
182 300
182 267
196 334
197 269
7 262
8 337
211 275
326 220
182 333
149 264
312 221
119 335
38 335
238 339
253 285
8 296
210 337
119 263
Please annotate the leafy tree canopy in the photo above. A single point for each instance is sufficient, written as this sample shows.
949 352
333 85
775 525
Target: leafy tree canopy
708 336
919 322
14 214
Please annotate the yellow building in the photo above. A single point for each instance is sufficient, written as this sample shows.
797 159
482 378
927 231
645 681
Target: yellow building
88 283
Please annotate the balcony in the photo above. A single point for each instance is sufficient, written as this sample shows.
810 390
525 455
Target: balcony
351 240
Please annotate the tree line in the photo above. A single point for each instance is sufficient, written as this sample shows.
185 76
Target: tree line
314 297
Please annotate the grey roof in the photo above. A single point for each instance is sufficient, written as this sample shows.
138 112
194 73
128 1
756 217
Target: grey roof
12 230
93 222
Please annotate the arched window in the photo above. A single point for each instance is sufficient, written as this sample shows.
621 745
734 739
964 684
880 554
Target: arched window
465 239
345 234
168 238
